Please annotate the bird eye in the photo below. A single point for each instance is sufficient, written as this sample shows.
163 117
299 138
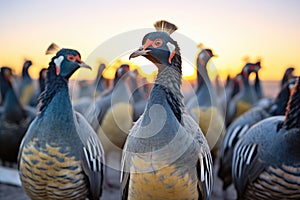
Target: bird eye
71 58
157 43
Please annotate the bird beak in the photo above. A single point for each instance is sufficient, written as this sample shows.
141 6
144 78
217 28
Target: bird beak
216 55
140 52
82 64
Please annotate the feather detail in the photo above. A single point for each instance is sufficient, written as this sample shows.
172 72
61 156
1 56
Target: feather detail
52 49
292 116
165 26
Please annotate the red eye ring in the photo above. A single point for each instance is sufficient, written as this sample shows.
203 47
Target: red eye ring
71 58
157 43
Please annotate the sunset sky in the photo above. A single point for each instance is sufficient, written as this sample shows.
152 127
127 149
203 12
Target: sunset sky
233 29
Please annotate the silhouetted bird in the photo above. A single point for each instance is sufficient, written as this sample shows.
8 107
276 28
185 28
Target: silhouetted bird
41 87
26 86
14 119
266 162
246 96
61 156
166 156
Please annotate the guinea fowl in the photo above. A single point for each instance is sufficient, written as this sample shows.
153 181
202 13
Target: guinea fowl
241 125
246 96
111 117
26 87
166 156
14 119
205 107
61 156
266 162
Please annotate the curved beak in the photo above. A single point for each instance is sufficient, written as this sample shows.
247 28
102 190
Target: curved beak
84 65
140 52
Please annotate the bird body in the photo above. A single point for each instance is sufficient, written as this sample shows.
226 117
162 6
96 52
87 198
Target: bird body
266 160
166 155
61 156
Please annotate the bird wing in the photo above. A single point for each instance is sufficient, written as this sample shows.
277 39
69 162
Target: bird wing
126 161
92 156
246 165
204 162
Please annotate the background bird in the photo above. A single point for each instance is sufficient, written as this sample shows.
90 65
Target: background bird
266 162
61 156
26 86
241 125
14 119
205 107
246 96
111 117
166 156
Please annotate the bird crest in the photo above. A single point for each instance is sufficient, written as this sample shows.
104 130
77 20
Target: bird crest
52 49
165 26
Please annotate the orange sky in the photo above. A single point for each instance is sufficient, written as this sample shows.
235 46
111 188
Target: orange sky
233 29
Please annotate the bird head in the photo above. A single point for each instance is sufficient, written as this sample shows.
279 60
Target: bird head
67 61
159 47
7 74
204 56
251 67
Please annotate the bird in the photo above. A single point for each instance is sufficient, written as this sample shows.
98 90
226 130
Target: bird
241 125
246 96
14 119
266 162
41 87
204 107
60 156
166 155
111 116
26 86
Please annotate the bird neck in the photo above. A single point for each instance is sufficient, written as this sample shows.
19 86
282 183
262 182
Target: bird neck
202 76
25 73
257 85
169 80
54 85
292 115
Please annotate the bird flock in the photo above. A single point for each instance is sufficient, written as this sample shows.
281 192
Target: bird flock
167 143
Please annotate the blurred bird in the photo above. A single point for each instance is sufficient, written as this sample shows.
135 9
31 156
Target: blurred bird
41 87
138 97
266 162
205 107
61 156
26 86
246 96
241 125
166 156
14 119
111 117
